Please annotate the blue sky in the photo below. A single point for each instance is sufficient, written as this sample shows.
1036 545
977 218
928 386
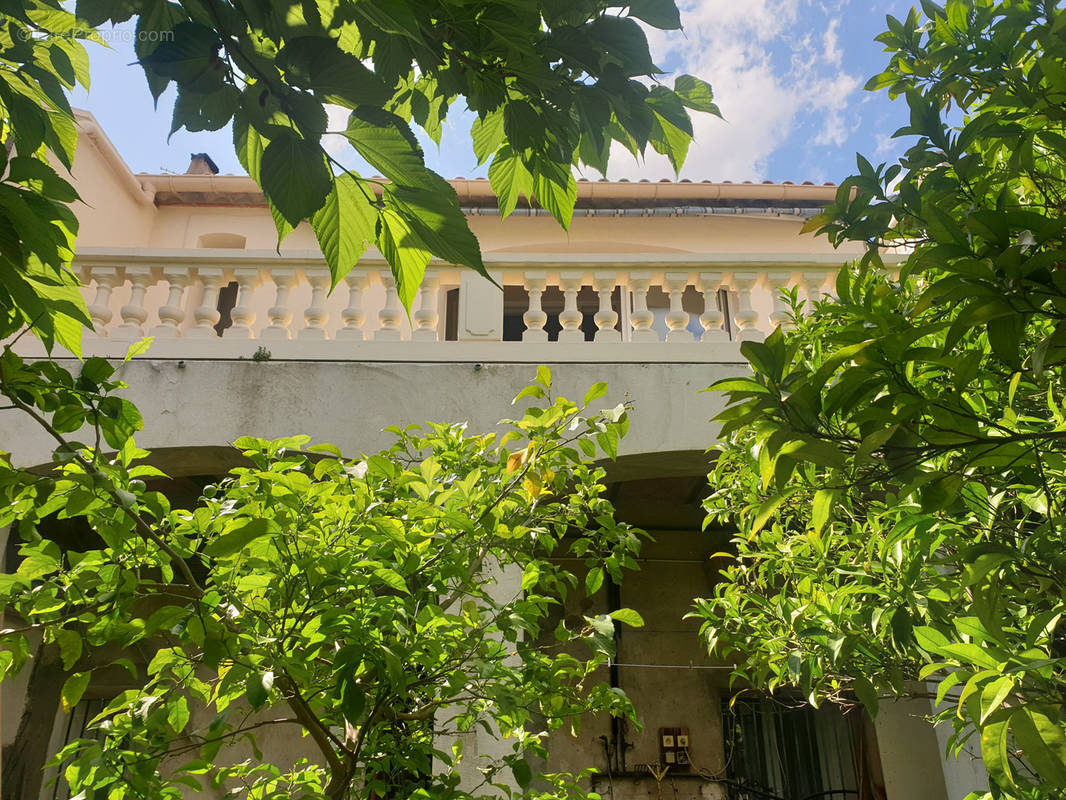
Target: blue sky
788 76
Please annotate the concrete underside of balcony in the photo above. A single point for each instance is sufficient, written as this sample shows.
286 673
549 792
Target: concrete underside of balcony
193 409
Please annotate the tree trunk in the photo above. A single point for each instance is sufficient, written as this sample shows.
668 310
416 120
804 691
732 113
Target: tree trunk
24 758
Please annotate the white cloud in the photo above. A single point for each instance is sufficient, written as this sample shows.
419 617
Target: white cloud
767 78
886 145
336 120
831 44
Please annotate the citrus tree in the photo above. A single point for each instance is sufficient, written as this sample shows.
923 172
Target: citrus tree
377 606
346 600
895 462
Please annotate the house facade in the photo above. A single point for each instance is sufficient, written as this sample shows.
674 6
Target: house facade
651 290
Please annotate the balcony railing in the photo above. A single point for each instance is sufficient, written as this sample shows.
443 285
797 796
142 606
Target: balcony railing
229 303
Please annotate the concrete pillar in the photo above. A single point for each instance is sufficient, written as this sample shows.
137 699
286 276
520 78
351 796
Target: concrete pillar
505 585
911 756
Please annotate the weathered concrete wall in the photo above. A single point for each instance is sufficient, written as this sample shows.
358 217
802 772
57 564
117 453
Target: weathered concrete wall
208 403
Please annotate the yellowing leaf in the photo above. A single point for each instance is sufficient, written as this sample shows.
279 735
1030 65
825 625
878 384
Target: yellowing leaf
517 460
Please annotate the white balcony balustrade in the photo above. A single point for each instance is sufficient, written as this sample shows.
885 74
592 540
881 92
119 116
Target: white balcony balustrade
228 304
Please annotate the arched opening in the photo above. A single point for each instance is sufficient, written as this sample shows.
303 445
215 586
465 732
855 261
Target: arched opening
35 725
691 732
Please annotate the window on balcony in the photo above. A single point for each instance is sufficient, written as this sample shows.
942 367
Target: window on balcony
74 726
516 302
794 752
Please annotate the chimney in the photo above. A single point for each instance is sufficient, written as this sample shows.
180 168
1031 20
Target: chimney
201 164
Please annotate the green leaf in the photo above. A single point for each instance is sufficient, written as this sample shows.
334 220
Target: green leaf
530 576
295 177
510 179
822 508
255 690
249 145
392 579
138 348
237 539
433 213
178 714
522 774
867 694
353 701
544 376
533 390
1042 742
629 617
73 689
608 441
762 358
487 134
154 24
189 57
672 132
70 646
405 253
746 385
41 178
345 225
386 141
661 14
930 639
995 752
993 694
556 193
765 510
205 112
696 94
966 653
318 63
951 679
595 392
625 44
593 581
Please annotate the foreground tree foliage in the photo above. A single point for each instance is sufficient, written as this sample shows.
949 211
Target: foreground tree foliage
895 464
553 82
360 603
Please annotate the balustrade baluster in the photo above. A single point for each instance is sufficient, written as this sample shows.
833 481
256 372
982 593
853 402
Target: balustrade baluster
133 313
243 313
812 284
280 314
712 319
100 309
777 282
641 318
606 317
315 315
746 318
535 318
172 313
391 314
428 315
206 314
354 315
570 318
677 318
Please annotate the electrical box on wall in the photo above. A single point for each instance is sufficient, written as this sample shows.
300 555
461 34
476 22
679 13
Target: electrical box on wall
674 749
